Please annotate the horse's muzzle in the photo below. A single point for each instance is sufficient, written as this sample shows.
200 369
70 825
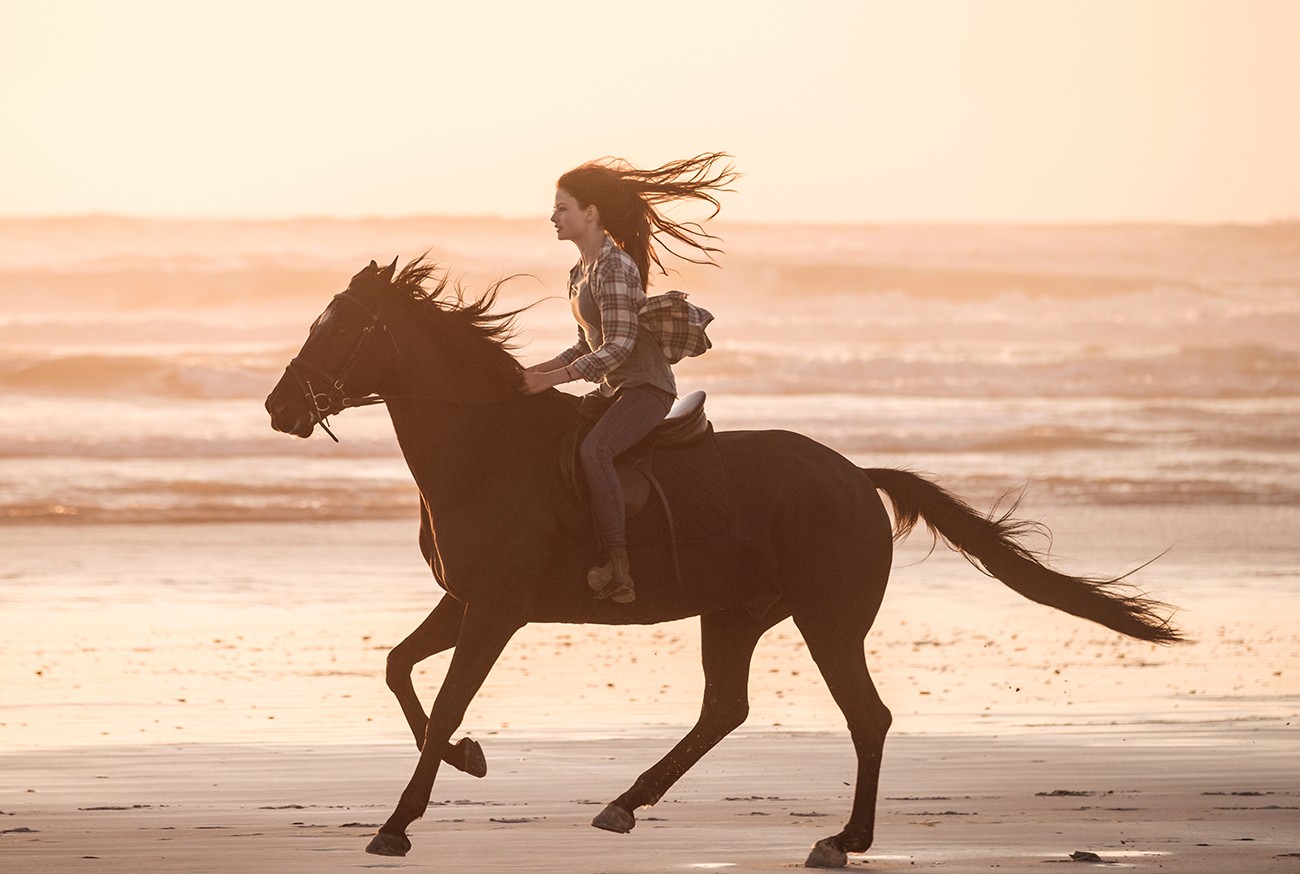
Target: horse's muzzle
288 413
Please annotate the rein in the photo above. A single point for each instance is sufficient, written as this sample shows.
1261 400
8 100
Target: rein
323 404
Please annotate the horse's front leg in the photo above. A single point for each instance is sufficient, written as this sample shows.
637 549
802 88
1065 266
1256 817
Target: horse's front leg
437 633
484 634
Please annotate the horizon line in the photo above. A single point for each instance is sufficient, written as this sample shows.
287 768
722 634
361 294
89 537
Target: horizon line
1280 221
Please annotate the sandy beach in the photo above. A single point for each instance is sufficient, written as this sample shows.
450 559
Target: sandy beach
214 701
1156 799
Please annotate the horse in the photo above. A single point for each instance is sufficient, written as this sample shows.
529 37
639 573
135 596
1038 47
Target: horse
805 535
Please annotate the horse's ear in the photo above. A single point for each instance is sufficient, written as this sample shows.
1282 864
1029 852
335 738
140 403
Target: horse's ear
365 273
387 273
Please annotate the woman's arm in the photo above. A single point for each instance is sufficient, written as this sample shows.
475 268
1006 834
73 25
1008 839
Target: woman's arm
617 291
554 364
618 294
556 371
568 356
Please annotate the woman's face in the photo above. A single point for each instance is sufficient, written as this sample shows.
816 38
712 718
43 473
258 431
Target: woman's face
571 221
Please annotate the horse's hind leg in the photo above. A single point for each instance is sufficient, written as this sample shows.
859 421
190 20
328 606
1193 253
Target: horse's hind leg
727 641
835 644
437 633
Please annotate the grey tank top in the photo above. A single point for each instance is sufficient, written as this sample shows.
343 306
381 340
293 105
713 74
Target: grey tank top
647 364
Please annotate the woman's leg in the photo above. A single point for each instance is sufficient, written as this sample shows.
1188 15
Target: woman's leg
634 413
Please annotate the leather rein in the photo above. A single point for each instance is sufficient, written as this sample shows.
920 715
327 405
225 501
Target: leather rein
333 399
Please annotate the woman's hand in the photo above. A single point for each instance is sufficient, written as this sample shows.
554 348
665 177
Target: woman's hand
536 382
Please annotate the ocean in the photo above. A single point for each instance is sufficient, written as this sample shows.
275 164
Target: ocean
1138 385
1139 365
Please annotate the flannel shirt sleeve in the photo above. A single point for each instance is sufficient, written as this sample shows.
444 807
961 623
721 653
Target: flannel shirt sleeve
576 351
618 295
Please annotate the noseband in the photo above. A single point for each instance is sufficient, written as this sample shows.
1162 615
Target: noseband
323 404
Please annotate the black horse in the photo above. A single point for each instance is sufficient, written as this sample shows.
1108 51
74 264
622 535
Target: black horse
805 535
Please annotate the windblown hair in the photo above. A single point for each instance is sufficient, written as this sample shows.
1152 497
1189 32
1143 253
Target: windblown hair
438 298
628 199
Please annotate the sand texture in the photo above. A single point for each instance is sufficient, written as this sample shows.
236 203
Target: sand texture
1204 801
210 698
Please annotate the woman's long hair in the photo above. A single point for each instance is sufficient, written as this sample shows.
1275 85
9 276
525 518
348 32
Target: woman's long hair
627 199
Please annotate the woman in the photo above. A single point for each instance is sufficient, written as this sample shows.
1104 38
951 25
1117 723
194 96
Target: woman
609 210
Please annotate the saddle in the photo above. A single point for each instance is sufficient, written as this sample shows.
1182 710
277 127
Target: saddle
678 461
685 422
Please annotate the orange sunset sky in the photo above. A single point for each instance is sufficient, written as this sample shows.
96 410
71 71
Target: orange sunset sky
894 110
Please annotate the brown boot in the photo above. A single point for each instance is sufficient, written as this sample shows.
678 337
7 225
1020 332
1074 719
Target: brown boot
620 587
600 576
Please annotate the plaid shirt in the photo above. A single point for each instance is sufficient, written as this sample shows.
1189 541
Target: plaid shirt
615 284
677 325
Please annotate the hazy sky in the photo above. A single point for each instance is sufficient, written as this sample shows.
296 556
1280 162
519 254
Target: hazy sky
1022 110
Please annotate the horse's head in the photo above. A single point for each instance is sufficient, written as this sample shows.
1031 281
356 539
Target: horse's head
344 361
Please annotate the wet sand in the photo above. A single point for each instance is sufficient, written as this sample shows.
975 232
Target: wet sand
1203 801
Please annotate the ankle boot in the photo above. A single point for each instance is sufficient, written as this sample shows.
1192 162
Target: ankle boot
613 579
624 591
601 576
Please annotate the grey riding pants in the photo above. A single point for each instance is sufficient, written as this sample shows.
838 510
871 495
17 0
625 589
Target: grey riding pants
635 411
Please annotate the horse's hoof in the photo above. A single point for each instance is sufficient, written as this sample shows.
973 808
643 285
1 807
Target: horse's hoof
825 854
475 763
383 844
615 819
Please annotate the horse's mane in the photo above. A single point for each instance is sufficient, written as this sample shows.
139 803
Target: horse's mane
441 302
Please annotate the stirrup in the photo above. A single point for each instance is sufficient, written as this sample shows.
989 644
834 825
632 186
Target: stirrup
617 592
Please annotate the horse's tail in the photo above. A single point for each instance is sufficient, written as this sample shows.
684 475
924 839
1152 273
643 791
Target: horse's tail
992 545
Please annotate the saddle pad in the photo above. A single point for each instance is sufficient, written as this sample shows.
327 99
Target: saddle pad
694 482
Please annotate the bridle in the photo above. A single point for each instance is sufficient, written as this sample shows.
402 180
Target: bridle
323 404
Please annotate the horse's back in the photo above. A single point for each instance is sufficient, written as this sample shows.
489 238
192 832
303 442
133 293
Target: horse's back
808 514
775 461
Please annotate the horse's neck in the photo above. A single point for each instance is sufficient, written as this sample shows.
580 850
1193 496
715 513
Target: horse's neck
461 420
453 449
